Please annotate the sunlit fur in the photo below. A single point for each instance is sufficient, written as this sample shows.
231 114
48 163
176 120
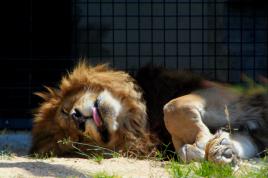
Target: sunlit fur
191 120
120 104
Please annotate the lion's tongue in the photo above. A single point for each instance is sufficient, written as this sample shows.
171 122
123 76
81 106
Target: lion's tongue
96 116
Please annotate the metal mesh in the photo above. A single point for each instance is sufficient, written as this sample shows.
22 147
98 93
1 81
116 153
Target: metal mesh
221 39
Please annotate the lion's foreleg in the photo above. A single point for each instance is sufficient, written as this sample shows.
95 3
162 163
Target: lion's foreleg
183 121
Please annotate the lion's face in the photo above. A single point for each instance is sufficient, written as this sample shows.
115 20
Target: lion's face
96 114
94 105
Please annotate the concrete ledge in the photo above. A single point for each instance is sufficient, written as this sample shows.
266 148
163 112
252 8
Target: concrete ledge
17 142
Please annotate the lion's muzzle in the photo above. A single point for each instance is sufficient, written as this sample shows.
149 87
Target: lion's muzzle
80 120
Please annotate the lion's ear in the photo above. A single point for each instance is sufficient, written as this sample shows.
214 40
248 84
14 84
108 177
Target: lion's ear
50 93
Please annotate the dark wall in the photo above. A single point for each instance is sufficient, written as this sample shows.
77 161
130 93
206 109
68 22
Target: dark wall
35 49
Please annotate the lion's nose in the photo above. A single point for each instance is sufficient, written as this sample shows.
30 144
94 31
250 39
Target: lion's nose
79 119
77 115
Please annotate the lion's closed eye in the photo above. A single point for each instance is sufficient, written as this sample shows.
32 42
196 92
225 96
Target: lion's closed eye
64 111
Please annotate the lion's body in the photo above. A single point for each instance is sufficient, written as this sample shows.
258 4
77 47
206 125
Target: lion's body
98 106
190 119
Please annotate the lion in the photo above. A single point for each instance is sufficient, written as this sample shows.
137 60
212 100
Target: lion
192 118
95 106
96 109
104 108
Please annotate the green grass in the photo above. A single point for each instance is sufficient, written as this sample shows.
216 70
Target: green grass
98 158
262 173
203 169
251 87
93 150
105 175
165 154
5 154
51 154
211 170
176 169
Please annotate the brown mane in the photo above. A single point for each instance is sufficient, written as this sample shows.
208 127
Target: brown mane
49 127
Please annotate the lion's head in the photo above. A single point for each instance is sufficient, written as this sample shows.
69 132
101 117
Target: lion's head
94 105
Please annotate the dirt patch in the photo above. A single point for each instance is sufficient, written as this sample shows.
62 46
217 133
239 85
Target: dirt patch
18 143
78 167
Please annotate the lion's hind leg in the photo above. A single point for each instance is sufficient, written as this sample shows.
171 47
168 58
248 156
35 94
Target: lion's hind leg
183 120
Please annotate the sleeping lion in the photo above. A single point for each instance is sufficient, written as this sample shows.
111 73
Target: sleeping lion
98 108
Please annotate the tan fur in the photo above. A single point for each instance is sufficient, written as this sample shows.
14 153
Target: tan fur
189 118
51 124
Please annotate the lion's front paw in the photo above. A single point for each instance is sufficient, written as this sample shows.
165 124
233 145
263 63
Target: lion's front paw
189 153
220 149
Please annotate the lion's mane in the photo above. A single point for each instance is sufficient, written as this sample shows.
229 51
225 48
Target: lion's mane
49 127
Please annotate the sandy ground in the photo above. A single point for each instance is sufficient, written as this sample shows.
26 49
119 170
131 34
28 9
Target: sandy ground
25 167
20 167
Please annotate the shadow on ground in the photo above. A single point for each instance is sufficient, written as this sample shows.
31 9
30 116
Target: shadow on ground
41 169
